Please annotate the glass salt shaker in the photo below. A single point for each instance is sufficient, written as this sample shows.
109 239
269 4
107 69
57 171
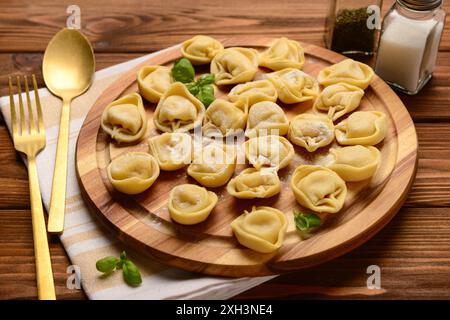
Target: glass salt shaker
409 43
352 26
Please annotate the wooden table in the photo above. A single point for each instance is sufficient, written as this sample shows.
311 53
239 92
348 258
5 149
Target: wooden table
413 251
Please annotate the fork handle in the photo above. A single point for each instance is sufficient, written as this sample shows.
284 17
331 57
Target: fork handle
44 275
58 198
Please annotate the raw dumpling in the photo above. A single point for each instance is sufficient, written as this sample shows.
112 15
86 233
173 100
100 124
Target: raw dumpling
200 49
153 82
261 230
347 71
362 127
337 100
283 53
173 151
214 166
125 119
252 92
133 172
234 65
191 204
355 163
319 189
294 85
311 131
252 183
266 118
224 118
269 151
178 110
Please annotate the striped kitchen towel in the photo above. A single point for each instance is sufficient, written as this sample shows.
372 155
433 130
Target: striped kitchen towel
83 238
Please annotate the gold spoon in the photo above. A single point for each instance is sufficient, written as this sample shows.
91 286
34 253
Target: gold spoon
68 68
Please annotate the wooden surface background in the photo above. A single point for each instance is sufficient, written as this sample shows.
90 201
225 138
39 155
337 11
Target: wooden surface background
413 251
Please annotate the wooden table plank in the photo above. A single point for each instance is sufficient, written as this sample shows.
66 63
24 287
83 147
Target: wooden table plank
17 268
413 252
145 26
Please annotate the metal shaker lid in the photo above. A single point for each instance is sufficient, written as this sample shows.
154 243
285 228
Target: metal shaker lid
420 5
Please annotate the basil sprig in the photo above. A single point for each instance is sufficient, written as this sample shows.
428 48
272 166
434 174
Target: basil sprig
202 89
306 223
131 273
183 71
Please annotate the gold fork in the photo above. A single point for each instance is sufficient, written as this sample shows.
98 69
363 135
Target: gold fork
30 140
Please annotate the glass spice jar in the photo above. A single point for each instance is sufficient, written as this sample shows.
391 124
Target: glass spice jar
409 43
352 26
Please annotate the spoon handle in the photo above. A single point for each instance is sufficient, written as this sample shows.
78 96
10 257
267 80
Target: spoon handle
58 198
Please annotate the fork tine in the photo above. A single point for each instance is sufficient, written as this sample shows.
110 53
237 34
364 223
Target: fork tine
12 108
32 125
22 112
38 106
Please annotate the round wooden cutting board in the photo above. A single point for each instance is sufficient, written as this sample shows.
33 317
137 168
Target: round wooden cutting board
143 222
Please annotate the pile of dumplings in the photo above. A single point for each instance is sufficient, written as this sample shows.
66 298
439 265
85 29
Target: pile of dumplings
251 108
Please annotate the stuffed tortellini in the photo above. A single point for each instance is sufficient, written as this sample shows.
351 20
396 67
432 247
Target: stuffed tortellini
191 204
261 230
355 163
153 82
266 118
173 150
294 85
283 53
125 119
311 131
362 127
133 172
201 49
338 99
269 151
347 71
318 188
252 183
178 110
252 92
234 65
224 118
214 166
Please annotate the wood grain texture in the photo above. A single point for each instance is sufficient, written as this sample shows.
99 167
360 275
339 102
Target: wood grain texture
210 247
28 26
17 268
407 270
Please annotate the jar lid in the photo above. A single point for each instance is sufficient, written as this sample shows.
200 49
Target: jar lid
420 5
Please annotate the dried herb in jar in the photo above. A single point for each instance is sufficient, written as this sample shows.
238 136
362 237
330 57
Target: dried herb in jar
351 34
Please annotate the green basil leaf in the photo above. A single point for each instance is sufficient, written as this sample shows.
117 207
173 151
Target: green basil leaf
314 220
206 79
304 222
107 264
183 71
193 88
206 95
131 274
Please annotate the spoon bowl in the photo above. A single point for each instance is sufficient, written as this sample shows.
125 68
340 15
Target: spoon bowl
68 68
